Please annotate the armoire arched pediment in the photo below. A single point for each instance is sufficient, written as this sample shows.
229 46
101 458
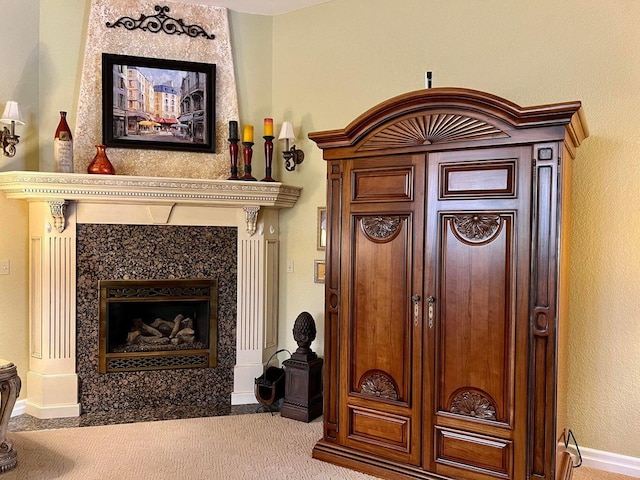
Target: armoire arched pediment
445 287
438 116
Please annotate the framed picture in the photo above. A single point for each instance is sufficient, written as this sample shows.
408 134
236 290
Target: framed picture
322 228
157 104
318 271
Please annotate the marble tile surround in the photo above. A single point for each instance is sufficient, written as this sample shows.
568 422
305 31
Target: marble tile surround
125 252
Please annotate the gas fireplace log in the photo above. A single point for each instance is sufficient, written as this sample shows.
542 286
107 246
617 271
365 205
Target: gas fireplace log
161 332
131 336
176 325
165 326
143 327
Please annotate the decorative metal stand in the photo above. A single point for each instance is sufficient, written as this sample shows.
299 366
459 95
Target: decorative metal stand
9 390
268 158
247 153
303 388
269 387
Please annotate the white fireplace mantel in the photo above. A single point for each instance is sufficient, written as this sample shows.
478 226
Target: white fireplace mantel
58 202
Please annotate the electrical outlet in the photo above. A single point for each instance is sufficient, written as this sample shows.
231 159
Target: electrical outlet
4 267
289 266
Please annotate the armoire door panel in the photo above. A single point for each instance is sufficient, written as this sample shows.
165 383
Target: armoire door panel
476 328
476 453
380 429
495 179
387 184
380 327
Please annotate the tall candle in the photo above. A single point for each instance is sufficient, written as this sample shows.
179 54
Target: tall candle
233 130
248 134
268 127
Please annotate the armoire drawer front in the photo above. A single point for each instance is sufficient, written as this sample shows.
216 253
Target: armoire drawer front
461 449
379 429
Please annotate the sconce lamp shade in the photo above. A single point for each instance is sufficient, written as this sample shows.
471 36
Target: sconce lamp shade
12 113
286 132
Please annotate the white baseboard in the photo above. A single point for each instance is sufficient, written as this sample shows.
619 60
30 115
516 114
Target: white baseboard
19 408
610 462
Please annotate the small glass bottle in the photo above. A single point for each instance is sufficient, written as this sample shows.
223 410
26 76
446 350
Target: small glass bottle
63 146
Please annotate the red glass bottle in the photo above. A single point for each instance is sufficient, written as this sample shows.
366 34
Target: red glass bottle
101 164
63 146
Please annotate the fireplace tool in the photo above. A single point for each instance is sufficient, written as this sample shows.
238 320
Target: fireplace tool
269 387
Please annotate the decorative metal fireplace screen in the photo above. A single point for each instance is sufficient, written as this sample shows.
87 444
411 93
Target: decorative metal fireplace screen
157 324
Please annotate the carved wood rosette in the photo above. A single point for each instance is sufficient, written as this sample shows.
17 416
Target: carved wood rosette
473 404
381 228
377 384
476 227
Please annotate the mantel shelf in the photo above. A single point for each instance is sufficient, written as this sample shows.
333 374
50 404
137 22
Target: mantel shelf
79 187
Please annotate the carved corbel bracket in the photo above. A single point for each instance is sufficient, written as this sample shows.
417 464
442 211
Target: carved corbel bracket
251 214
58 210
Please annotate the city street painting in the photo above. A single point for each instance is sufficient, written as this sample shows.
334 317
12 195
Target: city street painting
158 104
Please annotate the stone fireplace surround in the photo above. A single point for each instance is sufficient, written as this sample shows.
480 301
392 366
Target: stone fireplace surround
154 252
59 203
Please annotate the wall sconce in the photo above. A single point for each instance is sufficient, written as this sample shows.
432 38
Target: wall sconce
292 156
8 138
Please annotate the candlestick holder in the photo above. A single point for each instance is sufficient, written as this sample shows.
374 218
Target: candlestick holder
268 158
247 153
233 152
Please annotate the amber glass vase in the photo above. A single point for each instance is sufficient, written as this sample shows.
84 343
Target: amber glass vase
101 164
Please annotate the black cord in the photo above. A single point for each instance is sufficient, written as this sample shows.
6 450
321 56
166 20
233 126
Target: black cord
570 436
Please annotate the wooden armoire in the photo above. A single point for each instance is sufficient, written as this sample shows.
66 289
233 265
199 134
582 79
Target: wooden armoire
446 302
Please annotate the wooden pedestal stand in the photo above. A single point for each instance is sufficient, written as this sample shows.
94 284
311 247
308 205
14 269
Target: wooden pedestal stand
303 375
303 387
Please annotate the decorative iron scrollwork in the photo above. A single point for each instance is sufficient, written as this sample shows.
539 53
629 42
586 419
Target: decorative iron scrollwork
379 227
161 22
473 404
379 385
476 226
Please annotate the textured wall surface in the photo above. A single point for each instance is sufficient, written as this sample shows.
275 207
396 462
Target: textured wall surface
152 252
101 39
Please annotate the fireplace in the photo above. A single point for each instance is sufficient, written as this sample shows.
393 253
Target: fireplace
157 324
141 273
230 229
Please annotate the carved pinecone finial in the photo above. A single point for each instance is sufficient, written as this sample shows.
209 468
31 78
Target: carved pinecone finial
304 331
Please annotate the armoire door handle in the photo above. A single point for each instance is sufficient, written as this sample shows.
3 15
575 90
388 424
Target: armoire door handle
431 301
416 309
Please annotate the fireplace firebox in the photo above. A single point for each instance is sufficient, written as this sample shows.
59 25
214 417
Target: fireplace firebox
157 324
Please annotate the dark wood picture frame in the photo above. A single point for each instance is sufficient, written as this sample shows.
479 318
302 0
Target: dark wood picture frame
142 107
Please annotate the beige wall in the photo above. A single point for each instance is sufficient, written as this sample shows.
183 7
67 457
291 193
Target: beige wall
323 66
18 81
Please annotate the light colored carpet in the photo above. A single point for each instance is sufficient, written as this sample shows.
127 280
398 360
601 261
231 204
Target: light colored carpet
247 447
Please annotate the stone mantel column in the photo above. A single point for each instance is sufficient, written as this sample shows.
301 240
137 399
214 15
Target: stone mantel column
59 202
